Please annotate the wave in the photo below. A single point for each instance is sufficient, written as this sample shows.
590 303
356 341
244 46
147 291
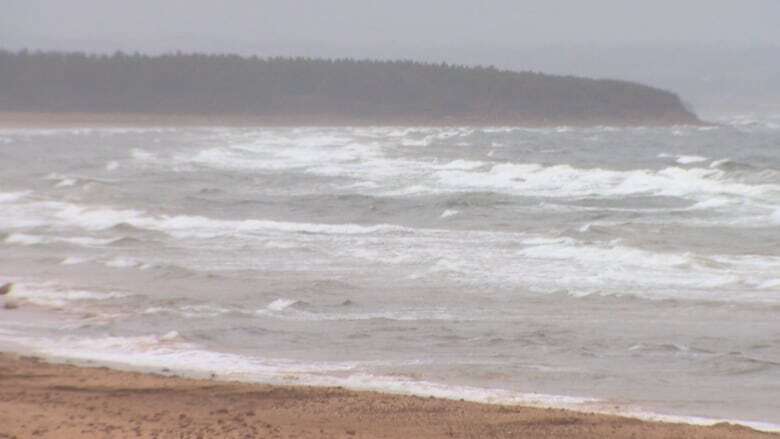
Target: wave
571 249
126 241
730 165
63 181
753 122
95 218
714 203
646 274
684 159
53 296
374 165
192 311
10 197
189 226
688 159
581 268
317 151
290 309
174 352
73 260
24 239
568 181
66 182
282 304
126 262
541 266
666 348
449 213
29 239
157 269
464 165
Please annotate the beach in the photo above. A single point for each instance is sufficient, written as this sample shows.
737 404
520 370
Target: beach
61 120
46 400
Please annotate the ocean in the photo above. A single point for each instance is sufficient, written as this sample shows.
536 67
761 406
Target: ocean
617 270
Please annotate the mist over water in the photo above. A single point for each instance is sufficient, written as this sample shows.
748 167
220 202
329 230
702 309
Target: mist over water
594 268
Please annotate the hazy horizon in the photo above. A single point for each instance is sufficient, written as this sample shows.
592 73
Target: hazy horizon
719 55
202 25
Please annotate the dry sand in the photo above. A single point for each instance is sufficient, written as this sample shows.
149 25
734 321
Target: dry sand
43 400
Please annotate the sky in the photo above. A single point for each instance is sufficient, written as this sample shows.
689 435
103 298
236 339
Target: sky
306 26
716 53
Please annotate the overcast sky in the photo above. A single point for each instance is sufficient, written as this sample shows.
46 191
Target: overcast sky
309 25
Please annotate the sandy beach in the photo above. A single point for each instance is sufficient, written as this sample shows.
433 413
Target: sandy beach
43 400
63 120
33 120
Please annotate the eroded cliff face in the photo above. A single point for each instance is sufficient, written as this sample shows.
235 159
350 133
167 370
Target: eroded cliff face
298 90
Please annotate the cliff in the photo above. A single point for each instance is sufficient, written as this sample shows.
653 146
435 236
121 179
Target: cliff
319 91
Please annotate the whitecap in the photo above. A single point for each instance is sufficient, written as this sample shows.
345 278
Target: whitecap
28 239
567 181
53 296
688 159
713 203
449 213
181 226
123 262
460 164
287 309
281 304
194 311
425 141
24 239
10 197
171 335
73 260
66 182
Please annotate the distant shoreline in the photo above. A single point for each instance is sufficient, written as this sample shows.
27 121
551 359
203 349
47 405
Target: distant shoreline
105 120
299 91
40 399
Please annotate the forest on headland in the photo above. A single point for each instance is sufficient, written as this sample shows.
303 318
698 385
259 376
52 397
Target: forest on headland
323 91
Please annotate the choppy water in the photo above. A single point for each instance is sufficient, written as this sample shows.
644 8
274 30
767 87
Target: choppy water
603 268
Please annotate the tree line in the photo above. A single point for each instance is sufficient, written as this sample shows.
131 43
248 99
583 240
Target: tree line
321 90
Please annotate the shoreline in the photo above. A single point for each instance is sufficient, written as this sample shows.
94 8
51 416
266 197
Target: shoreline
43 120
59 398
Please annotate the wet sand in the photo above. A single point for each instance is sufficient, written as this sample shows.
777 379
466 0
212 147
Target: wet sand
42 400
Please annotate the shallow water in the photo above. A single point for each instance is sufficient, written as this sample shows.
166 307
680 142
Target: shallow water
629 269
